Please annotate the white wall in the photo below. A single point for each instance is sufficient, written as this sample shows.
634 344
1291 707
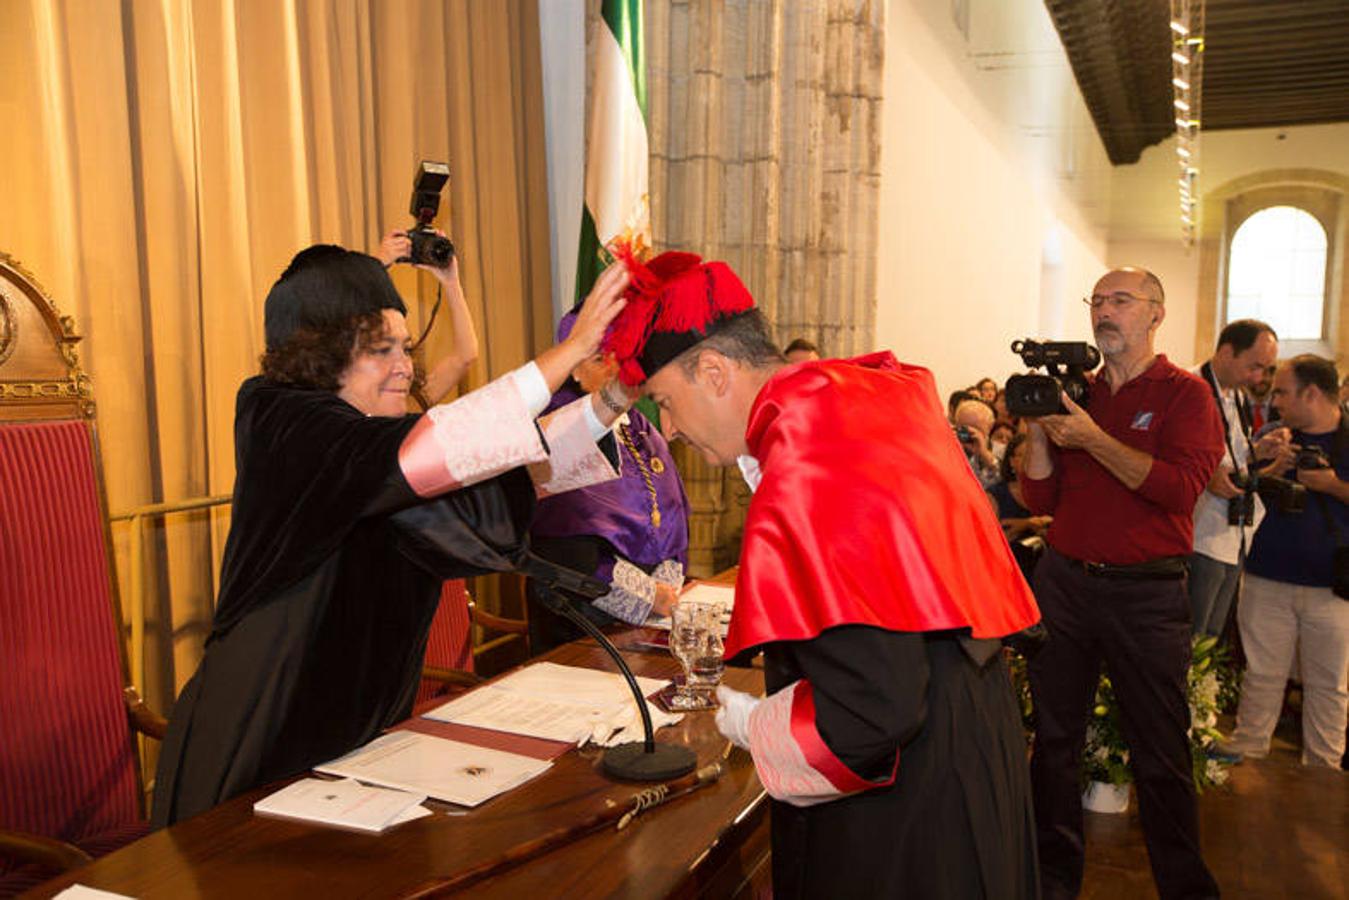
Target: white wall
563 51
995 190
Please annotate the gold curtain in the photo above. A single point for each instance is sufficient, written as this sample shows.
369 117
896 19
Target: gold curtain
161 162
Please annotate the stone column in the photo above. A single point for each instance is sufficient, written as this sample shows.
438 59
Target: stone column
764 126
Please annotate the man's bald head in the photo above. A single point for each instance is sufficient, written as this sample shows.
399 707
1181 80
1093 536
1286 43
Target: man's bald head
1147 285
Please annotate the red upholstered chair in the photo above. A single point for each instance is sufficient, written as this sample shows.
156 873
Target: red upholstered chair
70 784
448 663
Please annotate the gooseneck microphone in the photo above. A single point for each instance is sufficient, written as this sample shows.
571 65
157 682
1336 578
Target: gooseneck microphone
636 761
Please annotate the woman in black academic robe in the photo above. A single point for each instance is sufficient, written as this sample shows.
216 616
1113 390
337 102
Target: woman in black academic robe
348 514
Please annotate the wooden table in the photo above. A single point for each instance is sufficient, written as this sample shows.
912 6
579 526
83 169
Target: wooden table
711 843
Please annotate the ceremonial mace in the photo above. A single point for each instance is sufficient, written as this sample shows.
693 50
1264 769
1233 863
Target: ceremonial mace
622 813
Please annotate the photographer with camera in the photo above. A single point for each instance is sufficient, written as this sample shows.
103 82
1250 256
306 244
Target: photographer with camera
429 249
1120 474
1297 575
973 423
1230 503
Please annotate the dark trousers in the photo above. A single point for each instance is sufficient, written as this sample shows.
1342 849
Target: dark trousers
1141 631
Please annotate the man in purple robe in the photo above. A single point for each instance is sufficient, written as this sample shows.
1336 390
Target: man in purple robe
631 533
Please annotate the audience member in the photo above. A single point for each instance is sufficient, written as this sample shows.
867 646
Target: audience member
1025 531
1294 601
1262 414
987 389
1000 409
973 421
1000 437
1246 348
801 350
1120 475
956 398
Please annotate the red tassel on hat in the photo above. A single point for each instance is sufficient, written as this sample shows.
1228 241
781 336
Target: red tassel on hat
673 293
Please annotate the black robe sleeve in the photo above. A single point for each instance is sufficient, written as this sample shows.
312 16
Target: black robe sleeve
870 688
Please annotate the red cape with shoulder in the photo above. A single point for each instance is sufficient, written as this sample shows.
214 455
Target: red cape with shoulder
867 513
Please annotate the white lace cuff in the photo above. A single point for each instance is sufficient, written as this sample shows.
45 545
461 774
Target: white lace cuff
631 595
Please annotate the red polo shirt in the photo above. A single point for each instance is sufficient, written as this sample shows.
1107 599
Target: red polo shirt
1170 415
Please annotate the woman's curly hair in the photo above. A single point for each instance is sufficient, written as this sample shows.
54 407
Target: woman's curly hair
317 357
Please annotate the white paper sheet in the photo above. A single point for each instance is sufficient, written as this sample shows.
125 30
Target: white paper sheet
80 892
344 804
554 702
447 770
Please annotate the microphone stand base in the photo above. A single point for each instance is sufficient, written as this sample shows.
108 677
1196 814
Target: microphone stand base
631 762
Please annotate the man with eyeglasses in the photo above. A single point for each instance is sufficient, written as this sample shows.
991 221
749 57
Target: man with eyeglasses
1120 475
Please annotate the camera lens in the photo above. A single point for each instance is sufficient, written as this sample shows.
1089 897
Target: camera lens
440 251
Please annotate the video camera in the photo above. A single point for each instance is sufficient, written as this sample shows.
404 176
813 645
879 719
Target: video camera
428 248
1067 363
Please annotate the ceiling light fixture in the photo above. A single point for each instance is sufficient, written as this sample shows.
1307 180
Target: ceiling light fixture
1187 77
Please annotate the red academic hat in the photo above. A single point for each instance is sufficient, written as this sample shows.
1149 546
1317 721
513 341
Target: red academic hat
675 300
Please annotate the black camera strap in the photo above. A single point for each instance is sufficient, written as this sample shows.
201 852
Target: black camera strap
1207 370
1243 416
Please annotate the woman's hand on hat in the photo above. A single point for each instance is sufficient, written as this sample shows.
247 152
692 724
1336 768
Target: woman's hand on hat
602 305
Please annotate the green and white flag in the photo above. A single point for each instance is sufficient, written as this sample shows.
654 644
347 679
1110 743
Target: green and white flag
616 202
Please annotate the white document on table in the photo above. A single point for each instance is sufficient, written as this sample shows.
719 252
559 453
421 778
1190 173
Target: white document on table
343 804
81 892
722 594
554 702
447 770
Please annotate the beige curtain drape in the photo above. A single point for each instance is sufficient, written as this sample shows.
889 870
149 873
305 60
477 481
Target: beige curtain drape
163 159
765 129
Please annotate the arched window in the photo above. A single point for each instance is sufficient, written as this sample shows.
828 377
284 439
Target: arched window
1277 272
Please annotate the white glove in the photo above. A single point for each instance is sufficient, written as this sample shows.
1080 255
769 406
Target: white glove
733 715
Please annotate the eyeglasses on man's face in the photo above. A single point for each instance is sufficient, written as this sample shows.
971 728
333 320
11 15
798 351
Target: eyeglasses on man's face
1117 301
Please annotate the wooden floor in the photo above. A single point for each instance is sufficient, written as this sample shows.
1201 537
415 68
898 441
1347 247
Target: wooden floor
1276 830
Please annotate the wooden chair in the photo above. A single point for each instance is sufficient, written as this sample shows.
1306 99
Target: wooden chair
70 785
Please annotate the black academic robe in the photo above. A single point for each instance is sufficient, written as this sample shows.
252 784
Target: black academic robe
956 822
330 579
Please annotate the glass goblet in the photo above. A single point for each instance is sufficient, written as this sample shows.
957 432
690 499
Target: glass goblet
695 640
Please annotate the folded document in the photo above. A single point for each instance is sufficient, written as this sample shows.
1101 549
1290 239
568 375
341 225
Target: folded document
436 767
342 804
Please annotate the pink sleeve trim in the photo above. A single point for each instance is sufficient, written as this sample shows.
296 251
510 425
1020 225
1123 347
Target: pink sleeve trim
574 459
471 439
792 760
817 752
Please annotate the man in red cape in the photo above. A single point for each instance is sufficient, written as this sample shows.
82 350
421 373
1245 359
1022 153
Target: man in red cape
876 581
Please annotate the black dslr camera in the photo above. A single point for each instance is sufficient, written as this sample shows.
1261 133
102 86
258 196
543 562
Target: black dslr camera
1311 458
428 248
1280 494
1067 362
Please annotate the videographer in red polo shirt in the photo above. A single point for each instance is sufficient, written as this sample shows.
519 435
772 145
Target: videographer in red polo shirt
1120 477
